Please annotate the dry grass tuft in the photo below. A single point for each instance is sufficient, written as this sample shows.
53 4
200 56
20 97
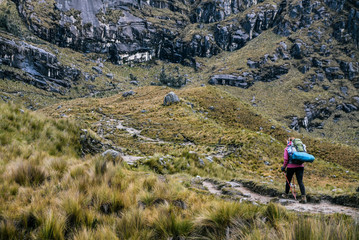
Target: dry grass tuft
27 174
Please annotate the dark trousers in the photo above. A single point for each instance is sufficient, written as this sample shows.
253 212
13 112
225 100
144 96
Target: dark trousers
299 173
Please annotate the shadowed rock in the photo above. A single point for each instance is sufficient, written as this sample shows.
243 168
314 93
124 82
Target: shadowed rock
170 98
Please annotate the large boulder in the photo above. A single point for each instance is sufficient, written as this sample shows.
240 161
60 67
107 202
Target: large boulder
170 99
110 153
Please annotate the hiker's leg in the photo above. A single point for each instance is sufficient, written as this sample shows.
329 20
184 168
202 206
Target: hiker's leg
290 172
299 173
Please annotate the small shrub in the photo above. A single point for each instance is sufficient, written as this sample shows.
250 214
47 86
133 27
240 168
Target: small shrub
27 174
171 81
6 22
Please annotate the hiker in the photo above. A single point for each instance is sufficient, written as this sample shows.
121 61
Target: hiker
292 168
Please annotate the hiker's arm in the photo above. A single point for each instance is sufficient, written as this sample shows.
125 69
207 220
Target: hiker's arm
286 157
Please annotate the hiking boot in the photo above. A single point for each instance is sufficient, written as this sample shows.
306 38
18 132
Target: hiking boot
303 199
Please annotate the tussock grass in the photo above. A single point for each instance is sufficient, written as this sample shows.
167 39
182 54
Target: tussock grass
8 231
59 164
53 227
214 222
171 225
73 209
20 129
328 229
100 166
81 199
28 175
107 201
275 213
103 232
29 220
133 225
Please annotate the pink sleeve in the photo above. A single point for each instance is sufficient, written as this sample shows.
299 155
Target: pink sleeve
285 157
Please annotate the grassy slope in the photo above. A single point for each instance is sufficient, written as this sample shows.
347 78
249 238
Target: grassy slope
102 85
283 90
231 124
97 198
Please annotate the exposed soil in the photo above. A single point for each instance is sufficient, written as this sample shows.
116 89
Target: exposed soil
245 194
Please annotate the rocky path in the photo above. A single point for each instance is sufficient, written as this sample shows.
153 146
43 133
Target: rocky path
245 194
232 188
133 131
109 125
131 160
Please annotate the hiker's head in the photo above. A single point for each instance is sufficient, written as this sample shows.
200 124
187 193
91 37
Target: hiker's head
290 139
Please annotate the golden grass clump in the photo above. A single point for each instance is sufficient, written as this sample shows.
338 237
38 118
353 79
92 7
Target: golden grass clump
53 227
27 174
133 225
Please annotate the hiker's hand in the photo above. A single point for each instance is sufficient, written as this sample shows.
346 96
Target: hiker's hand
282 168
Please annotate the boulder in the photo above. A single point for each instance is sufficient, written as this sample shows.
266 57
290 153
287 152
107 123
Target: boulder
252 64
296 51
304 68
170 98
128 93
97 69
230 80
111 154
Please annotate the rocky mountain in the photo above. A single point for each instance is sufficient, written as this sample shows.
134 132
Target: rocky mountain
164 119
315 41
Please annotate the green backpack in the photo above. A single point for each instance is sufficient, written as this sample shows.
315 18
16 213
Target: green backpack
296 146
299 146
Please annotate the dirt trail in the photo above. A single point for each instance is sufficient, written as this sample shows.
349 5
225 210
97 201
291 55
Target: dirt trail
108 125
131 160
247 195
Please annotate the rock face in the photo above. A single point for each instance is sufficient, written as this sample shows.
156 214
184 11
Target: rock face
318 48
121 29
40 68
128 31
229 80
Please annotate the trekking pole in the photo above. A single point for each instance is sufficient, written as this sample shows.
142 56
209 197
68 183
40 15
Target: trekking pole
293 192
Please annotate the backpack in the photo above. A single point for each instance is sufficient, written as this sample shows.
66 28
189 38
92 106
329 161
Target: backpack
297 152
